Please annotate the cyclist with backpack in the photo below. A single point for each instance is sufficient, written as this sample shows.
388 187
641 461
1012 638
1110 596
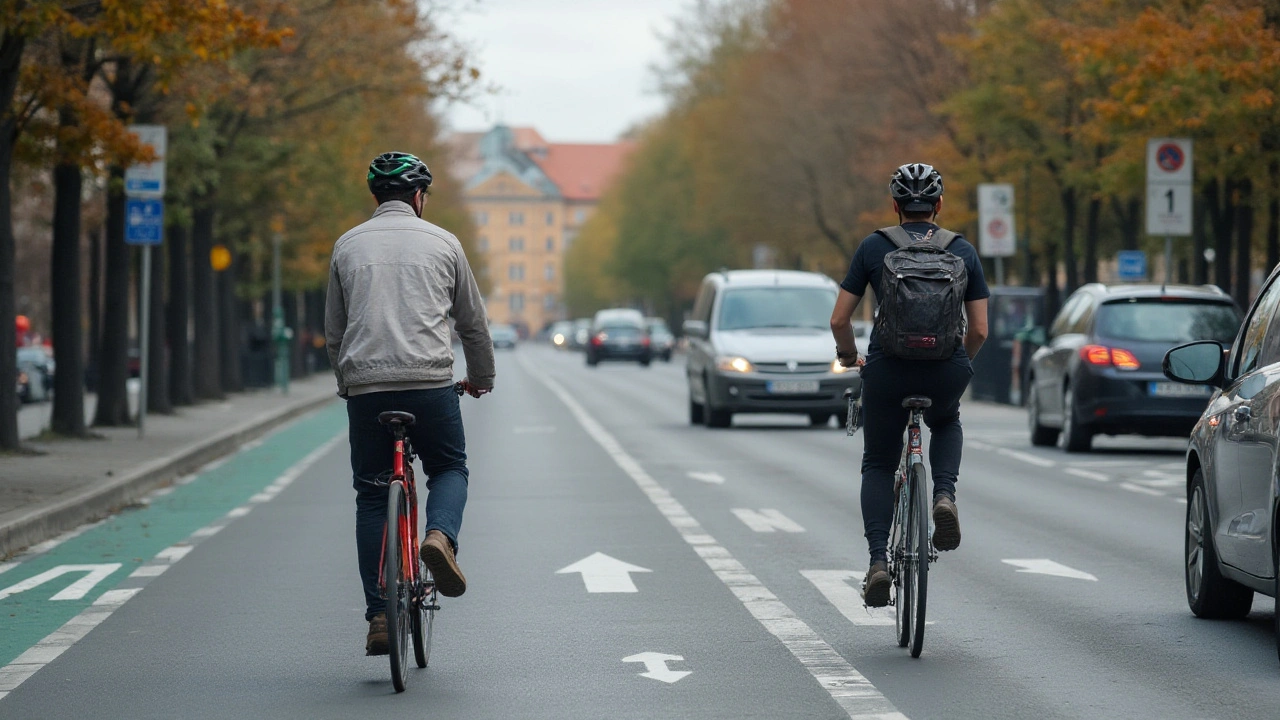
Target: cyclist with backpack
931 321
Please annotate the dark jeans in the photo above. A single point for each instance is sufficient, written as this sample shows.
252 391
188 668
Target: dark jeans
885 382
437 438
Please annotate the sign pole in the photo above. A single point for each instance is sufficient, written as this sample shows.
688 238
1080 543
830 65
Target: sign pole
999 270
143 339
1168 259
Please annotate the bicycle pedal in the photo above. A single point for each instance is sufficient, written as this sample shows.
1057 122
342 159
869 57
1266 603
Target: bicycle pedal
430 607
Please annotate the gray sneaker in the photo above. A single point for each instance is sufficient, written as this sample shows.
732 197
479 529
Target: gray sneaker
875 587
946 524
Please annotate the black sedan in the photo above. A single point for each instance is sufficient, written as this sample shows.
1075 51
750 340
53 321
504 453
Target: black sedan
1099 372
1231 545
619 341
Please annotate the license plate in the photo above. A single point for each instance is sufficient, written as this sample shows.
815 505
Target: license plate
1176 389
792 387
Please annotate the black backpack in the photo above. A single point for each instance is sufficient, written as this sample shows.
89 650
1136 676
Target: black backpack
921 296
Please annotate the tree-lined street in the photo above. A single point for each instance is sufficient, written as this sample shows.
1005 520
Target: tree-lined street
743 547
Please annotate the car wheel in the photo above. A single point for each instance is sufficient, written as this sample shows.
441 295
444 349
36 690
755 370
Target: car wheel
1275 566
696 413
1075 437
592 361
1041 436
645 362
717 418
666 356
1209 594
819 419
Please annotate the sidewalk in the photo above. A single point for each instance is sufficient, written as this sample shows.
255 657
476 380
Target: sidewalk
76 481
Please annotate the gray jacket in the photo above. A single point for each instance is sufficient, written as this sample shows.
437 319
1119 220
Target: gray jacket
393 283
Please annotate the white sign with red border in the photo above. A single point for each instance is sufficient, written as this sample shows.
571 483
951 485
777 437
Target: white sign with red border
1169 186
996 231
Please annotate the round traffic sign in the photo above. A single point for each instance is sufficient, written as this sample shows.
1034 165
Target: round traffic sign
998 228
1170 157
219 258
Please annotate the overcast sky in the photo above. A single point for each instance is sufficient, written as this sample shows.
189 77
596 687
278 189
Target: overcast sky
577 70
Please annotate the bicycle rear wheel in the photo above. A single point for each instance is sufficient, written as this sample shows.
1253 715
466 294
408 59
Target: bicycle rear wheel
918 540
903 579
424 616
399 592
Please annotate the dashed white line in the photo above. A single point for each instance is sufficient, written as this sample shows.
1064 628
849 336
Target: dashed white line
1140 489
1087 474
849 688
767 520
1027 457
836 588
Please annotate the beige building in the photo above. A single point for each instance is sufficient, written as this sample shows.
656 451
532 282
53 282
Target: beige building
529 198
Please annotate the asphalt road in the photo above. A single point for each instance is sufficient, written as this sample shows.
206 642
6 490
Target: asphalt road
751 544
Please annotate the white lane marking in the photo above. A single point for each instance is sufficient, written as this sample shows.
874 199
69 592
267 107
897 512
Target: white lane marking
97 572
207 531
148 571
174 553
655 665
161 492
1182 501
7 566
1088 474
604 574
1027 457
767 520
238 512
834 586
54 644
1139 489
849 688
707 477
978 445
535 430
1042 566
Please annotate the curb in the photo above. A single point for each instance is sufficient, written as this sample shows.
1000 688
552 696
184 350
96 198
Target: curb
103 500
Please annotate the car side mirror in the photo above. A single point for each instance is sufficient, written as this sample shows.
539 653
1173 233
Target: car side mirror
695 328
1197 363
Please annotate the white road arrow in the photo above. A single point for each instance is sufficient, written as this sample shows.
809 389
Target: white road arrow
1049 567
707 477
655 665
74 591
604 574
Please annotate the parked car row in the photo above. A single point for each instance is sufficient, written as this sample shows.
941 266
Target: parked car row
35 374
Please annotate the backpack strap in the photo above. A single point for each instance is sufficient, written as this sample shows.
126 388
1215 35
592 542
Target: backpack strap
941 238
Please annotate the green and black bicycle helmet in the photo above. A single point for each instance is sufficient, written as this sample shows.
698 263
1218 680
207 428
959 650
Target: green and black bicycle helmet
397 173
916 187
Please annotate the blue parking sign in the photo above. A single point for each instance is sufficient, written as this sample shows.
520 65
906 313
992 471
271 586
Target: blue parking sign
1131 264
144 221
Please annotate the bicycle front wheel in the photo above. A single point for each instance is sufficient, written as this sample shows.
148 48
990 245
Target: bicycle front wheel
399 592
900 559
918 539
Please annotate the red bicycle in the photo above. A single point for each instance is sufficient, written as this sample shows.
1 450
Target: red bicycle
406 583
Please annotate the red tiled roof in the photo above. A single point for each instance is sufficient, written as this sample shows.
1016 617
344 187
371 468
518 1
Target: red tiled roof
583 172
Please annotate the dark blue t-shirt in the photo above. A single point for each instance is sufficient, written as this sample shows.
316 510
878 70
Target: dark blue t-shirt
869 259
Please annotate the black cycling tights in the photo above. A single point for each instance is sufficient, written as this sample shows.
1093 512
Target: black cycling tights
885 382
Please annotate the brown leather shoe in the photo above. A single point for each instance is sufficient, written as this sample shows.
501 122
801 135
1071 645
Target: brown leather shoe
376 643
875 587
437 554
946 524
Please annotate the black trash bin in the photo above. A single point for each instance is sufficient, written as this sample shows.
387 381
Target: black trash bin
1000 370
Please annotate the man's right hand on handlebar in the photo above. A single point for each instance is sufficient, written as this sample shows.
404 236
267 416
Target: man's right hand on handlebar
473 390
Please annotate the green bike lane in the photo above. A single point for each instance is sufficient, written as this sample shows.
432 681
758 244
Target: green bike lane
42 591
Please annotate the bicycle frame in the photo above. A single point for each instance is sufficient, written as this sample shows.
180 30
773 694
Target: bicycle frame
912 453
402 474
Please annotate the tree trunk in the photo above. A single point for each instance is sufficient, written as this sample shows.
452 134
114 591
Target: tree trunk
68 337
11 46
1069 238
113 375
157 359
206 377
178 317
1273 217
1244 244
1220 201
1129 215
229 331
1091 240
1199 242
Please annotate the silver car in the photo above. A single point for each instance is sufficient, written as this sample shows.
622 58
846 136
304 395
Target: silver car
760 342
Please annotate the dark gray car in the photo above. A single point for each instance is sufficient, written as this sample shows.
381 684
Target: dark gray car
1231 544
760 342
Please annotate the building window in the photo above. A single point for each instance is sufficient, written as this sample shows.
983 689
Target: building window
551 244
516 218
579 216
549 272
516 244
516 302
482 217
483 244
551 218
549 303
515 271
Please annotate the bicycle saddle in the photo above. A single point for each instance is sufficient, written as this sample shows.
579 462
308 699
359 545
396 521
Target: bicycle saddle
397 417
917 401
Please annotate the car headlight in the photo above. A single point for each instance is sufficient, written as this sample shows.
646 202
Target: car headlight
839 369
734 364
558 339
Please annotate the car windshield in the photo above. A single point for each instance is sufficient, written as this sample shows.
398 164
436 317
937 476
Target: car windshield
621 330
776 307
1168 321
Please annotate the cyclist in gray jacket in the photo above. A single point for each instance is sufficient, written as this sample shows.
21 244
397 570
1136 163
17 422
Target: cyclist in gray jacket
394 283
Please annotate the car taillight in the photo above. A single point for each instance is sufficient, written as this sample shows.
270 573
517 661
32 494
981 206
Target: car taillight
1103 356
597 340
644 341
